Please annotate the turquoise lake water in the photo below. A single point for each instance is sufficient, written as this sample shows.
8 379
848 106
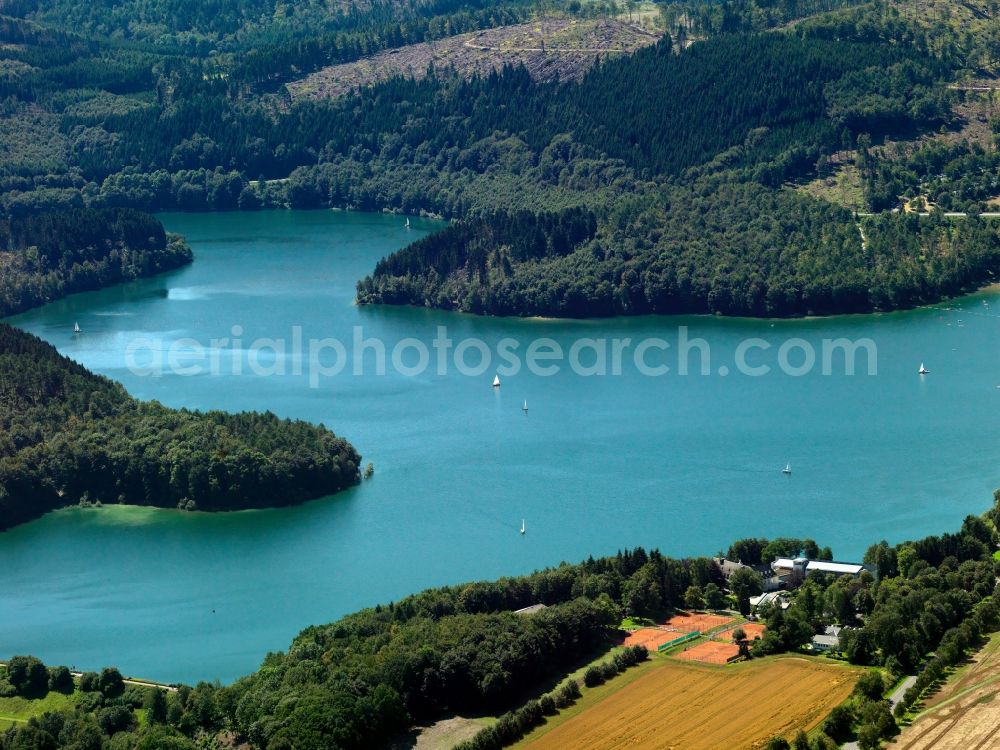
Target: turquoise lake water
684 463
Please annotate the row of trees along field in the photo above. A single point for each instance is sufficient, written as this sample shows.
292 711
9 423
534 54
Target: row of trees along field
69 436
359 681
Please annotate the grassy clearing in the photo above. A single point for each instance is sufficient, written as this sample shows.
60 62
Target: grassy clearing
843 187
634 623
19 710
442 735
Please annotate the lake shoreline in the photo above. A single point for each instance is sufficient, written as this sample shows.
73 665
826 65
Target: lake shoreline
684 463
987 288
387 211
119 509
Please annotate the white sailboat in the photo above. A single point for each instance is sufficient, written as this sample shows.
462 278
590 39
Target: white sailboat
525 407
76 328
407 222
522 525
923 370
787 469
496 381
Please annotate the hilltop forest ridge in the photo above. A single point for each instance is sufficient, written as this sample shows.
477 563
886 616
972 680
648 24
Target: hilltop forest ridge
730 166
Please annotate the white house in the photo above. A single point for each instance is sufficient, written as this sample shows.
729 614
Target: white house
828 639
840 568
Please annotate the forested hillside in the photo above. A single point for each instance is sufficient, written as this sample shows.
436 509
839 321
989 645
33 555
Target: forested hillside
304 34
684 153
741 250
68 436
49 255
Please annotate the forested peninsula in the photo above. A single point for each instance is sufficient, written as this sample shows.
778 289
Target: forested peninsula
68 436
48 255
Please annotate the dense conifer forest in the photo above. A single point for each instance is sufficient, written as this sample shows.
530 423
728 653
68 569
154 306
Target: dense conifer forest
49 255
70 437
783 255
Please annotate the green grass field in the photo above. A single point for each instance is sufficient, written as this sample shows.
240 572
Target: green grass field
18 710
842 187
633 623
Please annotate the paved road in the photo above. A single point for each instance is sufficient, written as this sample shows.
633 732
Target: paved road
897 694
894 698
951 214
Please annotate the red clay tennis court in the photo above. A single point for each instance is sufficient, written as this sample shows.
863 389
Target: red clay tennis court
710 652
701 622
651 638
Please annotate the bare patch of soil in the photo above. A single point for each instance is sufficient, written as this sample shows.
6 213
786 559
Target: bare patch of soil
550 49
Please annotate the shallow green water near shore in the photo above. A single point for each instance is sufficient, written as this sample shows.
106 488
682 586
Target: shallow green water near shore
685 463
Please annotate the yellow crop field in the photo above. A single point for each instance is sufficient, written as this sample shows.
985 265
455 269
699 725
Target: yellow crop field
687 706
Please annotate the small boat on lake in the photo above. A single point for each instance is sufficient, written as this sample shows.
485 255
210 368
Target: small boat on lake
787 469
407 222
76 328
522 525
496 381
923 370
525 407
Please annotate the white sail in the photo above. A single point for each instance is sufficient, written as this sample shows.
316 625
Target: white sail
522 525
76 328
787 469
923 370
525 407
407 222
496 381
